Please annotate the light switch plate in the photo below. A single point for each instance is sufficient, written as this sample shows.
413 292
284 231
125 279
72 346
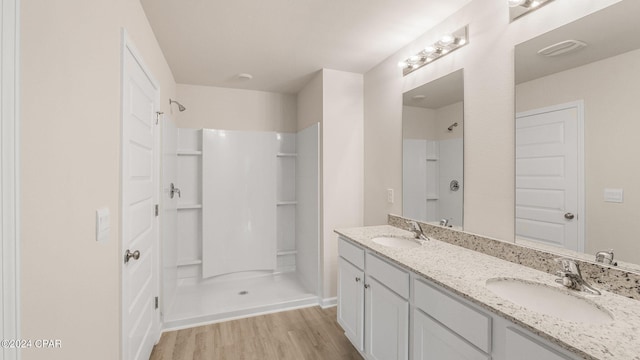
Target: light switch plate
390 198
613 195
103 224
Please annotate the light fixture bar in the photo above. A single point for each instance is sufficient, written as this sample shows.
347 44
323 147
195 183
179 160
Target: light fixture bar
520 8
447 44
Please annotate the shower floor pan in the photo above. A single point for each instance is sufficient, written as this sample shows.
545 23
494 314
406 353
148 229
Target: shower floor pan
220 300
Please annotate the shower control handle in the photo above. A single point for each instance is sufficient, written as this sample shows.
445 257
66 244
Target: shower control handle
569 216
366 286
128 255
357 279
173 190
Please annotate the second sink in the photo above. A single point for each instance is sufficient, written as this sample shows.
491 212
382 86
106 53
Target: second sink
548 300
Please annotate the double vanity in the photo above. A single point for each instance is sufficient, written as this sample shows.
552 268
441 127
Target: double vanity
400 297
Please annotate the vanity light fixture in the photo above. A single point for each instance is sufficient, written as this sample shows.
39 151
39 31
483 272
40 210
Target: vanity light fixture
519 8
440 48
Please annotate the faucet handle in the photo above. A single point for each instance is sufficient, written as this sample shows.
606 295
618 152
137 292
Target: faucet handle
568 266
414 225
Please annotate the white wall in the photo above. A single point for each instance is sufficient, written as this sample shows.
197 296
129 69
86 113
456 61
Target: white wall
609 89
235 109
418 123
307 212
342 164
489 115
71 115
309 102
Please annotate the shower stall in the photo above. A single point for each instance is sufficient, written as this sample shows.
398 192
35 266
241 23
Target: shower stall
247 229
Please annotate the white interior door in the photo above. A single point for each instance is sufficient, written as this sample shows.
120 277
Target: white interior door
140 322
548 206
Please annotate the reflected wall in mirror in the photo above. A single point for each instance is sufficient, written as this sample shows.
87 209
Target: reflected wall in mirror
577 135
432 151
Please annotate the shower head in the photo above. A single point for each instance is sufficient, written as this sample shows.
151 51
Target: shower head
450 128
180 106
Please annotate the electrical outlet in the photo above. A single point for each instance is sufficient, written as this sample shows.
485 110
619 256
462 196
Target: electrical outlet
390 196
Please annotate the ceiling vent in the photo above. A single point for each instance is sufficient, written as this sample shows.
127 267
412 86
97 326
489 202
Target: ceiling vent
562 47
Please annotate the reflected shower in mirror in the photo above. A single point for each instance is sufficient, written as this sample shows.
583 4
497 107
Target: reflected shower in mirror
432 151
577 181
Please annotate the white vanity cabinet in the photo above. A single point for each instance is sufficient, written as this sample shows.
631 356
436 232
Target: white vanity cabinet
351 292
373 305
351 302
381 306
445 328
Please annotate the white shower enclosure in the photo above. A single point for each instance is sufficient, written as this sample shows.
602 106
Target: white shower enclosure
238 202
247 224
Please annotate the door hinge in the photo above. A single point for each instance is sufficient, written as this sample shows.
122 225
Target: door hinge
158 113
156 210
156 302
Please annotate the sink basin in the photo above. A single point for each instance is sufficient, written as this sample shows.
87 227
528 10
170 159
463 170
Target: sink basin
549 300
396 242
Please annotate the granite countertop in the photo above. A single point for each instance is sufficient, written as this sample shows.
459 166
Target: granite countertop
465 273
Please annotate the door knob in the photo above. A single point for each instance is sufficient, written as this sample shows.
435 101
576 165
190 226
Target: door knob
129 255
569 216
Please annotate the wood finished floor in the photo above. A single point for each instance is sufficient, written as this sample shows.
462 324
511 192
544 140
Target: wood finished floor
305 334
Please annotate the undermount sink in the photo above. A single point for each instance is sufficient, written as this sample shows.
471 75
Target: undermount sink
396 242
548 300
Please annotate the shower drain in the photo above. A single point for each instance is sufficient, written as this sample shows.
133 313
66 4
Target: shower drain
243 292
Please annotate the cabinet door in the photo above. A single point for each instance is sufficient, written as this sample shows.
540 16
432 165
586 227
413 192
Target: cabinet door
523 347
386 323
351 302
433 341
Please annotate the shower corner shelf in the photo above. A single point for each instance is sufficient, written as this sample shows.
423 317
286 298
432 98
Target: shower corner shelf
285 203
189 206
286 154
187 262
432 159
432 197
286 252
189 152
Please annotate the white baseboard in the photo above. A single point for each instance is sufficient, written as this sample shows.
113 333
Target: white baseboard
328 302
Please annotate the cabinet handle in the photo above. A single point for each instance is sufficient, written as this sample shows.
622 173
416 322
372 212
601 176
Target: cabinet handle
366 286
357 279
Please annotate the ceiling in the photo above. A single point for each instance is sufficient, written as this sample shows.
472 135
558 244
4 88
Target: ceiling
282 43
608 32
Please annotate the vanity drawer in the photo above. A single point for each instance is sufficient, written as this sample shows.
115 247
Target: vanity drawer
472 325
351 252
392 277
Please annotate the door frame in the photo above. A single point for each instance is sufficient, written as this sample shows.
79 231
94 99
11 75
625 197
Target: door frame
10 164
579 106
128 46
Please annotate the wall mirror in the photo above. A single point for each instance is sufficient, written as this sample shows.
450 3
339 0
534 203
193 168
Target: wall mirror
577 142
432 151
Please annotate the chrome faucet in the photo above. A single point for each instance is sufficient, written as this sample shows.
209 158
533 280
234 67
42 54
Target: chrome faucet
605 257
416 229
571 277
444 222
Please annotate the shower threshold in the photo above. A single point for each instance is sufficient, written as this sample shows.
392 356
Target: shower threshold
220 300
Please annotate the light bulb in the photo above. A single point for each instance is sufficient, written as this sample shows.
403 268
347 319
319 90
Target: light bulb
462 41
514 3
446 40
429 50
415 58
535 4
402 64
